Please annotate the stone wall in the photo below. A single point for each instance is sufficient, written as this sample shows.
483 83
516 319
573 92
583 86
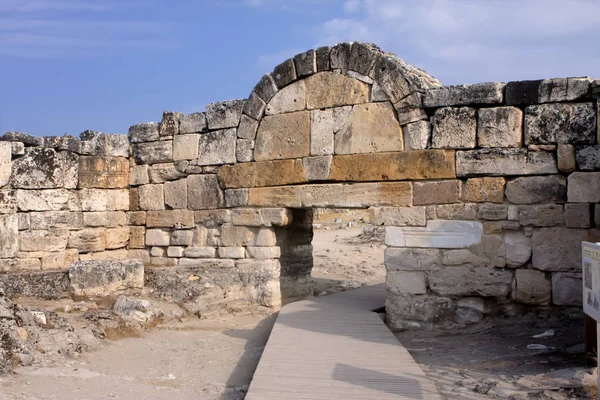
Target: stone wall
485 190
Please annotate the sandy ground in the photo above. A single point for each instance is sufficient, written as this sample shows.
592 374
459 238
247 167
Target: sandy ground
215 359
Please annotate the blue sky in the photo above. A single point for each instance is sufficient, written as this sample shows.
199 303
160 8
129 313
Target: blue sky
71 65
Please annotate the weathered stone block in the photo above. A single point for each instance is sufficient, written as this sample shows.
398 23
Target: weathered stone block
185 147
5 162
244 151
254 107
410 109
424 164
483 190
583 187
463 257
499 162
463 95
406 282
289 99
471 281
159 219
462 211
518 249
340 55
266 88
201 252
138 175
263 253
492 212
416 135
105 278
157 237
588 158
151 197
41 240
317 168
370 128
176 193
39 168
232 252
160 173
567 289
323 58
443 234
537 189
328 89
262 173
546 90
236 197
182 238
566 158
321 132
500 127
224 114
560 123
541 215
397 216
532 287
261 217
103 172
146 132
9 236
192 123
557 249
440 192
406 259
175 251
137 237
153 152
88 240
285 73
454 128
57 219
169 125
283 136
204 192
17 148
577 215
117 238
248 127
217 147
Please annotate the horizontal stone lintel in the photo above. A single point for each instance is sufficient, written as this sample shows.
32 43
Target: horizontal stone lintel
441 234
366 167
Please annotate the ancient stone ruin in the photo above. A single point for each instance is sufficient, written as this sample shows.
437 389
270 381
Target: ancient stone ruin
485 192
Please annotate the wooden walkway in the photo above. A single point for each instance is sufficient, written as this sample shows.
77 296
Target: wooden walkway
335 347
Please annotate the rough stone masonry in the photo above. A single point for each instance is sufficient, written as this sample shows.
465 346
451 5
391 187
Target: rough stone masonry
485 191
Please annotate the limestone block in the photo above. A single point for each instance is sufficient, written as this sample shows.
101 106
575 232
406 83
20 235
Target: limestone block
262 173
285 73
159 219
454 128
370 128
59 260
46 200
200 252
588 158
136 218
436 192
248 127
462 211
362 57
93 200
340 55
157 252
8 201
157 237
410 109
567 289
41 240
244 151
139 254
138 175
175 251
232 252
416 135
57 219
263 253
118 200
378 94
328 89
557 249
463 257
88 240
183 219
537 189
19 265
236 197
102 144
323 58
185 147
234 236
266 87
321 132
499 162
407 259
546 90
70 169
23 137
493 212
24 221
471 281
560 123
500 127
192 123
204 192
9 235
17 148
483 190
153 152
5 162
283 136
397 216
317 168
182 238
541 215
164 261
225 114
39 168
254 107
105 278
169 125
117 238
176 194
406 165
406 282
265 238
103 172
217 147
151 197
532 287
566 158
577 215
137 237
289 99
443 234
210 218
164 172
518 249
261 217
583 187
463 95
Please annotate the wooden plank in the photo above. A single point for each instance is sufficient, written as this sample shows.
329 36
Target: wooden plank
335 347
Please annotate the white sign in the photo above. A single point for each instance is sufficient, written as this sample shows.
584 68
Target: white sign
591 279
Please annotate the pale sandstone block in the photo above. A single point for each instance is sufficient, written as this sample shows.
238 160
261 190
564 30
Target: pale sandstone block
437 234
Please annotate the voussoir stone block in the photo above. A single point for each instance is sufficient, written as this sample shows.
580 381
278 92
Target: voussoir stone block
262 173
454 128
537 189
557 249
484 190
105 278
560 123
217 147
103 172
328 89
285 73
283 136
500 127
499 162
224 114
443 234
370 128
464 95
418 164
204 192
583 187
